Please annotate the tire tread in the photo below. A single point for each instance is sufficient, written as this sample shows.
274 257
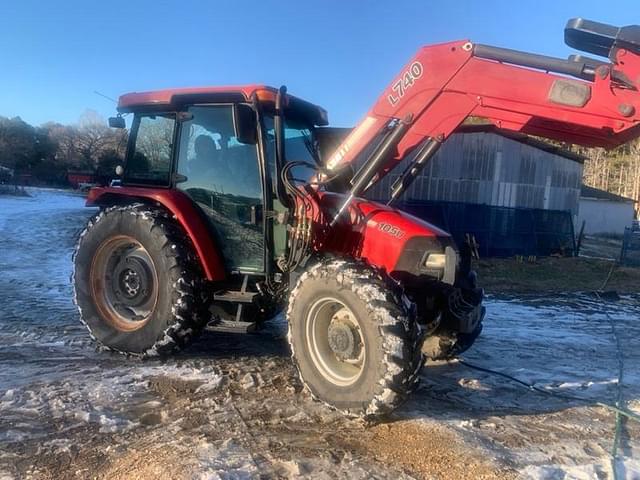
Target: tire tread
189 305
402 365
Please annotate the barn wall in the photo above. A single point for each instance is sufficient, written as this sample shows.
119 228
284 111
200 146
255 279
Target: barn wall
485 168
605 216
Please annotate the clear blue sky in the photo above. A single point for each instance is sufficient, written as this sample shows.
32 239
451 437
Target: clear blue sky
339 54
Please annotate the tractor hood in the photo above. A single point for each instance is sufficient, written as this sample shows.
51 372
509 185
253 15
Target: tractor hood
388 238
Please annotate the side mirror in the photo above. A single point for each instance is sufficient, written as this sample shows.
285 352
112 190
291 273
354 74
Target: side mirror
117 122
245 124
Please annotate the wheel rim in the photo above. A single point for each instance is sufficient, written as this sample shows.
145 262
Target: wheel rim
335 341
124 283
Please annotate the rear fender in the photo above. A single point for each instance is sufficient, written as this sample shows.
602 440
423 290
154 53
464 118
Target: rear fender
184 211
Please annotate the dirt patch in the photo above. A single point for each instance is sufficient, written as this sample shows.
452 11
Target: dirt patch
145 458
173 389
553 275
153 462
427 451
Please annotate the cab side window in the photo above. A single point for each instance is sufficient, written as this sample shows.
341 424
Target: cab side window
223 177
211 157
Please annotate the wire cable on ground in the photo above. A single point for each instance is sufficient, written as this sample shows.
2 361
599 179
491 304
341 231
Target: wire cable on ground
618 408
562 396
619 400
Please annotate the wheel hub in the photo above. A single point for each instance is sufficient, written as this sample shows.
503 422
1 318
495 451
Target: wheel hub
130 283
335 342
131 278
124 283
344 340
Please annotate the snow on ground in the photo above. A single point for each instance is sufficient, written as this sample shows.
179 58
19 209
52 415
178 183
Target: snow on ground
563 344
232 407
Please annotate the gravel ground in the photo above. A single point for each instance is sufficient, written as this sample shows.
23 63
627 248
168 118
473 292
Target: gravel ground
232 407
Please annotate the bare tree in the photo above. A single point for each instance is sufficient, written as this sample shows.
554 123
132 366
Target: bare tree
83 145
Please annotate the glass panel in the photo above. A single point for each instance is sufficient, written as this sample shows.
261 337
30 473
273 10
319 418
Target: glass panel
223 178
150 162
298 146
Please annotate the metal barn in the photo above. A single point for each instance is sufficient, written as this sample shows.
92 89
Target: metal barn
515 194
604 212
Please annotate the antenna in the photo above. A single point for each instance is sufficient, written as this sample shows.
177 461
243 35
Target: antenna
105 96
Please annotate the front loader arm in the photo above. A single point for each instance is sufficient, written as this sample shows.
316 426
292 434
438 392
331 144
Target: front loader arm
444 84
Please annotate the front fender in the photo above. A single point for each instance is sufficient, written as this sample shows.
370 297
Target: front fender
184 211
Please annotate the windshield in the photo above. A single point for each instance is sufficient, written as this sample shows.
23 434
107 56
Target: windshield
149 161
299 147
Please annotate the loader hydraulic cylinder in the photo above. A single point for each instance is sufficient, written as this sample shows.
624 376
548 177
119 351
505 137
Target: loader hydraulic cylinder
372 166
532 60
414 168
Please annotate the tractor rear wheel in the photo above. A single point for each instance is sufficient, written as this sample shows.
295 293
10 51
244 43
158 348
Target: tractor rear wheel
353 339
137 283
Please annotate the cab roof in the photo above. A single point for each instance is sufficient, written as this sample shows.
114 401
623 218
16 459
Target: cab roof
174 98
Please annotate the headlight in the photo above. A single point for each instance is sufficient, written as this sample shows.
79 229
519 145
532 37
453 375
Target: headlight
436 261
445 264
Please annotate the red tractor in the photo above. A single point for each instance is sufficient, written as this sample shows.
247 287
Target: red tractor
231 206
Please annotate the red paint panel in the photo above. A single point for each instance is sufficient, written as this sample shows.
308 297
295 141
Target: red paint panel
444 84
372 232
76 178
165 97
183 209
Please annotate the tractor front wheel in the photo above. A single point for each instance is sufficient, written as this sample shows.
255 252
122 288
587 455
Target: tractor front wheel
353 338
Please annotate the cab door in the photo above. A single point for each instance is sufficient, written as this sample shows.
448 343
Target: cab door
223 177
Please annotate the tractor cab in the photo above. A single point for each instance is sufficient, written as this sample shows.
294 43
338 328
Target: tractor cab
218 146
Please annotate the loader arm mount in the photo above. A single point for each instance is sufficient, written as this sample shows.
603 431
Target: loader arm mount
595 103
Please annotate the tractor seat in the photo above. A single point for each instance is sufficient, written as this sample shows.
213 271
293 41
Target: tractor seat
600 38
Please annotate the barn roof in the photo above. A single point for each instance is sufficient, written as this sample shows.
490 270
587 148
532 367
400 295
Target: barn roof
522 138
597 194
